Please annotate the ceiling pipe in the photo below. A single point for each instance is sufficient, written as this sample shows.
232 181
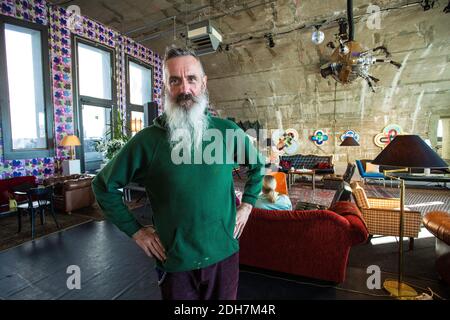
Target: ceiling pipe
159 34
351 23
154 24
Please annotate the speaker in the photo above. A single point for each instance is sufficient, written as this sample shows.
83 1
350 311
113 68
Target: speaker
150 113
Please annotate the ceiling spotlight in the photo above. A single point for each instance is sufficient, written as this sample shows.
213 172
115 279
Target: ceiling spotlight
317 36
427 4
270 42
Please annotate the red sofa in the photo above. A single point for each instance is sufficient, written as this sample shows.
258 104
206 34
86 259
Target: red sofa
6 189
313 243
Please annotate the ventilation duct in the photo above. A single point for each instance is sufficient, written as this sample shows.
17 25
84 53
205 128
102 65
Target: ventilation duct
204 37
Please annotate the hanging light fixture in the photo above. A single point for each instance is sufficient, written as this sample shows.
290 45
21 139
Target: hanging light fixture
351 60
317 36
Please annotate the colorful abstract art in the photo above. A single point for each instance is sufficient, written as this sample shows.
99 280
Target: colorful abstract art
285 141
350 133
387 135
319 137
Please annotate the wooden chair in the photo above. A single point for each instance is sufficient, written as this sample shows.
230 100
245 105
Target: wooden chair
39 200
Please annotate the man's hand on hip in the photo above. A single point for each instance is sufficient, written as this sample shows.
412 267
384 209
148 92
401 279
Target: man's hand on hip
148 240
242 214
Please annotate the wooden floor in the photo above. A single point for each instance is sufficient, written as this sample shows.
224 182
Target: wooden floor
111 265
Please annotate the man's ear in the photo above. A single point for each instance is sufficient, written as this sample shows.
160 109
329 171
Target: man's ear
204 80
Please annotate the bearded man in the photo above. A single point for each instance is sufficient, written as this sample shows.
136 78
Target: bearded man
196 225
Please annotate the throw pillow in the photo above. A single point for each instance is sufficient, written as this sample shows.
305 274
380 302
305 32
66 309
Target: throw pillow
372 168
322 165
286 165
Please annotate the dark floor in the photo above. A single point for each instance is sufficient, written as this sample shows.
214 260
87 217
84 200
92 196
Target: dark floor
113 267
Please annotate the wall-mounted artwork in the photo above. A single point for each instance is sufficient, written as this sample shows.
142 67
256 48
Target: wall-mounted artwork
350 133
285 141
319 137
387 135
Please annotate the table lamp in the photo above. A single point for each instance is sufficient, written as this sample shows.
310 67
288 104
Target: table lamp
349 141
71 141
406 151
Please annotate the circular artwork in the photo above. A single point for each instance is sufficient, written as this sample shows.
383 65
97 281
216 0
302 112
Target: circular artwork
319 137
350 133
387 135
285 141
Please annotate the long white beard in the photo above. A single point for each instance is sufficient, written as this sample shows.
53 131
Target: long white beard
186 126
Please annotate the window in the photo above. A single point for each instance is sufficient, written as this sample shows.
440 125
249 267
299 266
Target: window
140 80
137 122
140 92
94 72
95 99
27 113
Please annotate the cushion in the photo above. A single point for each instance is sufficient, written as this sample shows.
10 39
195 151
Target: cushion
372 168
360 195
322 165
285 164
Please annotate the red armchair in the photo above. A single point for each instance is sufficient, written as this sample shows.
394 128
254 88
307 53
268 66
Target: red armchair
313 243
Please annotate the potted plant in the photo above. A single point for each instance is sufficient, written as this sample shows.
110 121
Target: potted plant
111 146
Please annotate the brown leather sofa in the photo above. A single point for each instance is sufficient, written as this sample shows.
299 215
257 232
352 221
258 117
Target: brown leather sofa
72 192
438 223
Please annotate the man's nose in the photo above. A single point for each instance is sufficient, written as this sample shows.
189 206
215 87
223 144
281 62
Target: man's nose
185 88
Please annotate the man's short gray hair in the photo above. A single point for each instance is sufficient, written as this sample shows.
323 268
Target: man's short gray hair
179 52
172 53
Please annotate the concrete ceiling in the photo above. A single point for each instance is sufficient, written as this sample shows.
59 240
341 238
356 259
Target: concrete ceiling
164 21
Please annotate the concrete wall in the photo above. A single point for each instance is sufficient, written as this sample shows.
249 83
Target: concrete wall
445 153
254 82
282 86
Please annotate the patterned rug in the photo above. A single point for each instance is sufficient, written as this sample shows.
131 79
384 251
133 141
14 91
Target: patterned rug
423 200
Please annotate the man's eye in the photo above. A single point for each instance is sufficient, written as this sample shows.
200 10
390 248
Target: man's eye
192 79
173 81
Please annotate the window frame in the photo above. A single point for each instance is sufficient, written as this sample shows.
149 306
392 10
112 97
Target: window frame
8 152
135 107
80 100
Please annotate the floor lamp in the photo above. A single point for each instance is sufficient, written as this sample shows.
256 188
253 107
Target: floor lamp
406 151
349 141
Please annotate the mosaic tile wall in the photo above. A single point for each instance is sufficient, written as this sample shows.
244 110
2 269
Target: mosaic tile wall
57 18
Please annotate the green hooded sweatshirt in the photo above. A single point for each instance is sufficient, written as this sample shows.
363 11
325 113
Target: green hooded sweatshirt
193 204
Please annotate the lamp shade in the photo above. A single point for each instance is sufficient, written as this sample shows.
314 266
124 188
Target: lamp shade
409 151
70 141
349 141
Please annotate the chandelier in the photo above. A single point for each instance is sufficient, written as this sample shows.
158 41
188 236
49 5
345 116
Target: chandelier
350 60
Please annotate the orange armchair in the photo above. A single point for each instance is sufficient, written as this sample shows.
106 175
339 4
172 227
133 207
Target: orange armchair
280 177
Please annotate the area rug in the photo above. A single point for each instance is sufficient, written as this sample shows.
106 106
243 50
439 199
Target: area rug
299 192
9 237
418 199
423 200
